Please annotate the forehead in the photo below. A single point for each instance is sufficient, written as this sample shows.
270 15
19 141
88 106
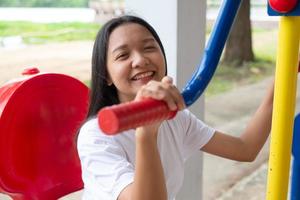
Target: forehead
128 33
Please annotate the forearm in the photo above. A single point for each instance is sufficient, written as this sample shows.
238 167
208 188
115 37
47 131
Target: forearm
247 146
149 182
259 127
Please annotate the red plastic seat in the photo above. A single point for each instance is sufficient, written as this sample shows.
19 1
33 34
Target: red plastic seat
39 119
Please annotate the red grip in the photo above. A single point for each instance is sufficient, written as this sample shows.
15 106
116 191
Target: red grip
117 118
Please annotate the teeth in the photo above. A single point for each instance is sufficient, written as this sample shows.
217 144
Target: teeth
143 75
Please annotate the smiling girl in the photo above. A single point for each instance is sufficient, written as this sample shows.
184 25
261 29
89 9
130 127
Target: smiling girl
129 64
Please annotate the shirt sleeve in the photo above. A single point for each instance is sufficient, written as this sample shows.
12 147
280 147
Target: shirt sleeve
105 169
196 133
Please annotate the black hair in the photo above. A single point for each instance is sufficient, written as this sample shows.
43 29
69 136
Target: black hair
102 94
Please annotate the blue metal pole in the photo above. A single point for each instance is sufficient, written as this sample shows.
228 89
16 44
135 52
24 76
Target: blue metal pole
295 188
295 179
212 53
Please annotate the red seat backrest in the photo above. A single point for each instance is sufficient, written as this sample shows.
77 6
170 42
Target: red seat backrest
39 120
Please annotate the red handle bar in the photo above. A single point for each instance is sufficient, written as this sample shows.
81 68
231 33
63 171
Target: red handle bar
114 119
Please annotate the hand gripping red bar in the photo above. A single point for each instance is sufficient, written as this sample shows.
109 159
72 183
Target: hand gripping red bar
114 119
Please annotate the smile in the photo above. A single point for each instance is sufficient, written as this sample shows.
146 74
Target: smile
143 75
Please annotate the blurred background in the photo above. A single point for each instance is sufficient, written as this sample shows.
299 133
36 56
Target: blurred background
249 54
57 36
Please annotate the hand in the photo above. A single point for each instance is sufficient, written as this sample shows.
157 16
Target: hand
164 90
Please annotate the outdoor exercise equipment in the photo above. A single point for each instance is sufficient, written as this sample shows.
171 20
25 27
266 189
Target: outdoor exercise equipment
284 101
295 178
283 6
114 119
39 117
121 117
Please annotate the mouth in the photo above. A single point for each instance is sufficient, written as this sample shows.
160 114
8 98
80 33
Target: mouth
143 75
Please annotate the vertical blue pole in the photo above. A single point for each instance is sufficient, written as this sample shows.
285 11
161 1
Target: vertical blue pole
295 187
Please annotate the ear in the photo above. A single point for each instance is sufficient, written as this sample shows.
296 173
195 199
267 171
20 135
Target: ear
109 81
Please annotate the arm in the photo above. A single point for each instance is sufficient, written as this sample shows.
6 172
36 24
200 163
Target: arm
149 181
247 146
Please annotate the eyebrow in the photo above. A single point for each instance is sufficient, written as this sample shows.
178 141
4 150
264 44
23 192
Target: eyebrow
121 47
149 40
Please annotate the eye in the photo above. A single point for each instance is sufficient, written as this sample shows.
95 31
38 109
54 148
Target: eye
121 56
149 48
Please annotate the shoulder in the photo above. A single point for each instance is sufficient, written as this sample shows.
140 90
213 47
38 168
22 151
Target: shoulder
184 118
181 115
90 133
180 123
187 122
91 128
90 125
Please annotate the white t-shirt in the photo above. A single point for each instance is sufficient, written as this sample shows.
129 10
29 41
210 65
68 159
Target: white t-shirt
108 162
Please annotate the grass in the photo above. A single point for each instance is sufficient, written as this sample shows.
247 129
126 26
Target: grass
228 77
41 33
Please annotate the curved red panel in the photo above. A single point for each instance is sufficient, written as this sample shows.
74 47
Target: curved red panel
39 118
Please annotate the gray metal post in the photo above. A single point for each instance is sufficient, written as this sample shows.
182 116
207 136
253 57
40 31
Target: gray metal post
181 26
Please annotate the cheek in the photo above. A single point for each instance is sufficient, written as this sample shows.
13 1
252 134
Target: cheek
161 63
163 68
113 71
119 77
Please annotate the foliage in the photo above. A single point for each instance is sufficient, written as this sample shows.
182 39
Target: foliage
43 3
39 33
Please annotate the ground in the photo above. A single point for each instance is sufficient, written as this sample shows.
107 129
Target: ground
69 58
223 179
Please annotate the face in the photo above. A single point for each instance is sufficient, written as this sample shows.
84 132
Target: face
133 59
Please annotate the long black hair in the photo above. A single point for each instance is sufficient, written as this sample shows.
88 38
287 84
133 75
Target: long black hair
103 94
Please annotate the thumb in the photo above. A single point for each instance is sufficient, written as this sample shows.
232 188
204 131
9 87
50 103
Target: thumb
167 79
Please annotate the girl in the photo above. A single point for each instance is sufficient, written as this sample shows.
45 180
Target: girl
148 162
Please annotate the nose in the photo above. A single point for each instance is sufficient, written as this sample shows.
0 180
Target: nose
139 60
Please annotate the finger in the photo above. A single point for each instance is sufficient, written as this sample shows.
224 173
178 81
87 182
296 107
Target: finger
160 91
145 90
142 93
167 82
167 79
165 91
138 96
177 97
